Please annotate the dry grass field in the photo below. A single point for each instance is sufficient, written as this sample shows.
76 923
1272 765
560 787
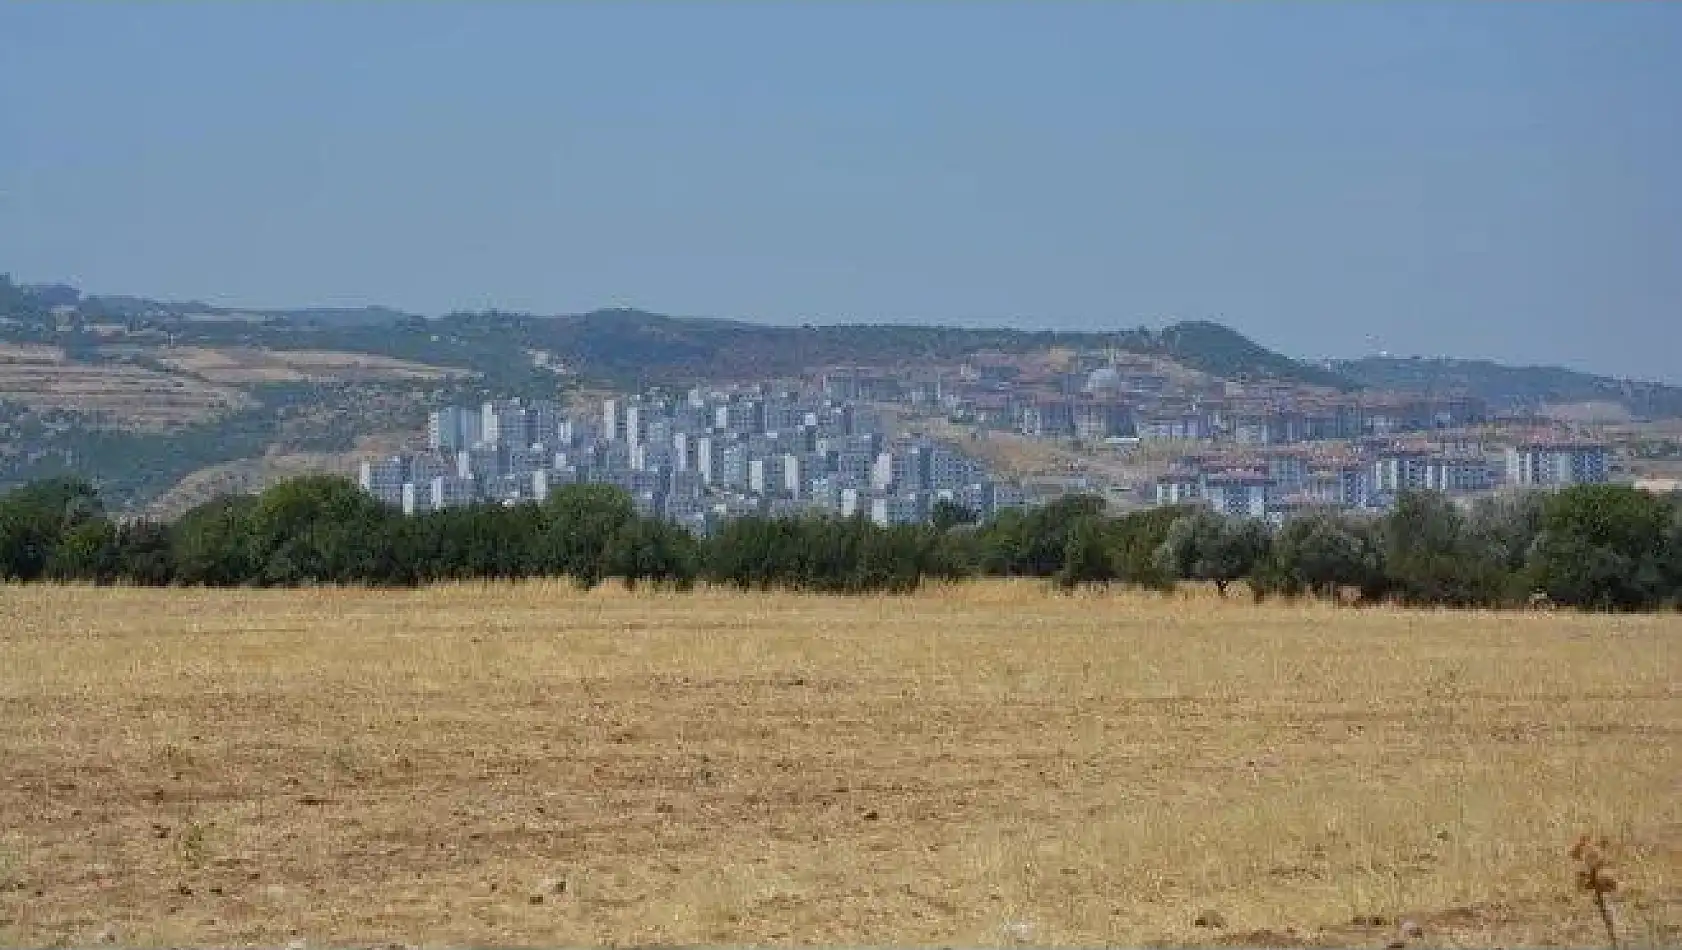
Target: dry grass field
242 365
127 396
993 765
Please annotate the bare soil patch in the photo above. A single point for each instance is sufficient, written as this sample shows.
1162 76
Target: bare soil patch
244 365
119 394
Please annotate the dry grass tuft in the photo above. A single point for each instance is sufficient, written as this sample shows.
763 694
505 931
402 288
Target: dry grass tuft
986 765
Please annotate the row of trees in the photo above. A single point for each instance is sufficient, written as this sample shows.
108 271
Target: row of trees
1598 547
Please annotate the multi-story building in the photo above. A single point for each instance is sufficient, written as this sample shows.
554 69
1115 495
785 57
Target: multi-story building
1188 427
1048 418
384 479
613 421
950 470
1397 471
1459 474
417 498
898 509
636 423
453 428
1097 420
1178 488
452 491
1556 464
1288 469
1239 495
733 466
485 461
705 447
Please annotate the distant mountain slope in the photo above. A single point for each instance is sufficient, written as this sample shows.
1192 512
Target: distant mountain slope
1224 352
632 345
1513 387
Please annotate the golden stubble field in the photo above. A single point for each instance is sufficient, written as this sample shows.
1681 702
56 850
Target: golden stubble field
992 765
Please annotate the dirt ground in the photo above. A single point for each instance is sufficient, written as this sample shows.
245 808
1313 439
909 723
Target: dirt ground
986 765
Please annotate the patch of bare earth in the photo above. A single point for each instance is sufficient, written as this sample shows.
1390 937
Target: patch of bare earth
244 365
120 395
253 475
985 765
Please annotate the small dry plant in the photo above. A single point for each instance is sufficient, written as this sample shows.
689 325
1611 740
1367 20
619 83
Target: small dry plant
1594 875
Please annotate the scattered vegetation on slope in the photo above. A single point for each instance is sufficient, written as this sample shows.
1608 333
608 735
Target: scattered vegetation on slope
1513 387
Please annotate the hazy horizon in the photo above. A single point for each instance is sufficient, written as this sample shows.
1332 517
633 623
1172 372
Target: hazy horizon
1473 181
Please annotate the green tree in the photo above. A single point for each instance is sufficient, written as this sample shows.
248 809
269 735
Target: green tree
1322 554
646 549
1033 543
580 521
144 554
214 545
1605 547
1086 556
87 552
316 529
1206 546
946 514
36 517
1507 525
1431 555
1134 540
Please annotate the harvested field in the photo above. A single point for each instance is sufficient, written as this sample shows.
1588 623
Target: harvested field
994 764
243 365
121 395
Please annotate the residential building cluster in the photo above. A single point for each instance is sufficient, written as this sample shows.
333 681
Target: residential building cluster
1099 396
1273 484
695 460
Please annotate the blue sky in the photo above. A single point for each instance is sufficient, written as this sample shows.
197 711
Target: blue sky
1484 180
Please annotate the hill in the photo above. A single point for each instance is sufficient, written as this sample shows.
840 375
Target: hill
1513 387
627 347
633 347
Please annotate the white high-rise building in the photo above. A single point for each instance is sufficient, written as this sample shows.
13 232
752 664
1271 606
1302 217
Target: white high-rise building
794 472
611 423
704 459
882 472
636 424
682 451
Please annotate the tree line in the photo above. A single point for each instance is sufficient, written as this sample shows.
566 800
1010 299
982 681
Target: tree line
1594 547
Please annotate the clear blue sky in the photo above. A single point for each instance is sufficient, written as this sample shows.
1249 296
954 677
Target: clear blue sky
1489 179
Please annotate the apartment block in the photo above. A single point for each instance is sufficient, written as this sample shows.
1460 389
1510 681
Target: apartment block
1556 464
